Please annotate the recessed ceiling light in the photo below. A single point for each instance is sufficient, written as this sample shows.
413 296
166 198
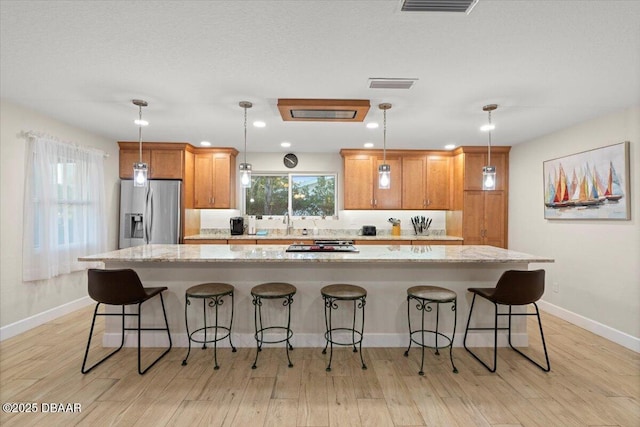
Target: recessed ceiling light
368 144
450 146
205 143
259 124
285 144
372 125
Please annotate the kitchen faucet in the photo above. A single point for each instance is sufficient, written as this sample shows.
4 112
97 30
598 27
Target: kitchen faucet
287 220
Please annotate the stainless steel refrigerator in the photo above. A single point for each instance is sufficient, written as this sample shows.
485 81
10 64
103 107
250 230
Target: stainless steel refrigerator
149 214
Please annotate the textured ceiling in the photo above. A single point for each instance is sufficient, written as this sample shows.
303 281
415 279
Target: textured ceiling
548 64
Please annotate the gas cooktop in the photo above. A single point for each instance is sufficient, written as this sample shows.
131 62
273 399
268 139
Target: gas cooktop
323 247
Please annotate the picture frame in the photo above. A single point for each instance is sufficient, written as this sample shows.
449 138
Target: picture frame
592 184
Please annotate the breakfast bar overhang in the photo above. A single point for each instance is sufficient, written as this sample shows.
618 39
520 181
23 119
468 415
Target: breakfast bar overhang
385 271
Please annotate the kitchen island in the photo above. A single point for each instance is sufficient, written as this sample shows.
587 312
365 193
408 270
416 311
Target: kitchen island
386 271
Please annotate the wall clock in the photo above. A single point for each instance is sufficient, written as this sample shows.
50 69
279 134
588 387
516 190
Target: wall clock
290 160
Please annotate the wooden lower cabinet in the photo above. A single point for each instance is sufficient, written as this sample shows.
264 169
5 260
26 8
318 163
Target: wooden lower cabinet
436 242
483 218
205 242
383 242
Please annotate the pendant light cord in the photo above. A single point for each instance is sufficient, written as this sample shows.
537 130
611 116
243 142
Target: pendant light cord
384 137
489 157
245 134
140 132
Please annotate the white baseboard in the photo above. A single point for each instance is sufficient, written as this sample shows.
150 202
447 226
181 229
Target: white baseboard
241 340
31 322
618 337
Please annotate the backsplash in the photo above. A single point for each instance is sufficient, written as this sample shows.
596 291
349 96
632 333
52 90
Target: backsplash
346 223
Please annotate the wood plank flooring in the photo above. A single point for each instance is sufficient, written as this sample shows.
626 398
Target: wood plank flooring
593 382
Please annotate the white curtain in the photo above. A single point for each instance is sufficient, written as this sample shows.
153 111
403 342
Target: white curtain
64 208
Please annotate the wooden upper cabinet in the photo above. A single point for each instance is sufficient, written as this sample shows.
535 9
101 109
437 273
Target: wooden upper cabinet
164 160
414 178
128 157
426 182
358 181
214 179
439 175
473 164
361 182
167 164
392 197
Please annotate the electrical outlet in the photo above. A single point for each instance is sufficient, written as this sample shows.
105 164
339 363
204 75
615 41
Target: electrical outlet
556 287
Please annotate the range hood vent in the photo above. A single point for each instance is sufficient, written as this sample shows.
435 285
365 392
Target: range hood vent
323 110
438 5
391 83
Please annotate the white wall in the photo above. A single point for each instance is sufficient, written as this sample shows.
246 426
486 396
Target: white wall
597 262
20 300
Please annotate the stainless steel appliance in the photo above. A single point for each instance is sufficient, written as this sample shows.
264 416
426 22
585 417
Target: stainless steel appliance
149 214
237 225
368 230
331 246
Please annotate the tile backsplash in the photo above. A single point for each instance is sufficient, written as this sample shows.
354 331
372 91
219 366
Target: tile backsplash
346 222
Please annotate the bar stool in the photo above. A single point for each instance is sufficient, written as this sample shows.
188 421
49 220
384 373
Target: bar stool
215 293
514 288
272 290
122 287
425 296
331 294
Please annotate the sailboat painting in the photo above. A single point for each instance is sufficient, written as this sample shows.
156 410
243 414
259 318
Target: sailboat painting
592 184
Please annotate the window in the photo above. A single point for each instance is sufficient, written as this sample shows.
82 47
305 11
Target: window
63 208
298 194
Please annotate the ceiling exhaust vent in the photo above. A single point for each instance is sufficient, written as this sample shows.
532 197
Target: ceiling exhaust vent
391 83
438 5
323 110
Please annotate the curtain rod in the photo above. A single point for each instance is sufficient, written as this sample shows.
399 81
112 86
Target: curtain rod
37 134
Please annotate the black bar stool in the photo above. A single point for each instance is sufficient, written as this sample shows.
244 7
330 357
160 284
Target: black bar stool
331 295
272 290
215 293
515 287
425 297
122 287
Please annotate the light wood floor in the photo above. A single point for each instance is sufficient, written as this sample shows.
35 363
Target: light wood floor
592 382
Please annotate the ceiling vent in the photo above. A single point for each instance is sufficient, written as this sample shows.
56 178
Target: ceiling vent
323 110
438 5
392 83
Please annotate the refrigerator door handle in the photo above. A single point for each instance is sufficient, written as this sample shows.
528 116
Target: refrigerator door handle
148 215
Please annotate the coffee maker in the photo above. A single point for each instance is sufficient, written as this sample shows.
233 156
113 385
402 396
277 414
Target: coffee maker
237 225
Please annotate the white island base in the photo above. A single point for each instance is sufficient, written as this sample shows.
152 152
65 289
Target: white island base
386 272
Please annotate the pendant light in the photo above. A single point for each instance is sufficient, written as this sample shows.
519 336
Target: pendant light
245 168
140 169
489 172
384 170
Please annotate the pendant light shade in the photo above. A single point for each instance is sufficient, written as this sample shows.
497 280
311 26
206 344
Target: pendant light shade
489 172
245 168
384 170
140 169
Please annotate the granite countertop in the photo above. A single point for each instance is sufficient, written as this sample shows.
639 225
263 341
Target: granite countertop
277 254
300 236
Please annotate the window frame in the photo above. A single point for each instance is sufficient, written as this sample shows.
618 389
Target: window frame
290 176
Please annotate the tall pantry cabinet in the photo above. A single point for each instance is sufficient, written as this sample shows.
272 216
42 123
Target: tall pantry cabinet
478 216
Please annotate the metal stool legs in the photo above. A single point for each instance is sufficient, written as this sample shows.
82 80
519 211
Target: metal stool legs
424 305
260 328
495 330
214 301
330 304
138 329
